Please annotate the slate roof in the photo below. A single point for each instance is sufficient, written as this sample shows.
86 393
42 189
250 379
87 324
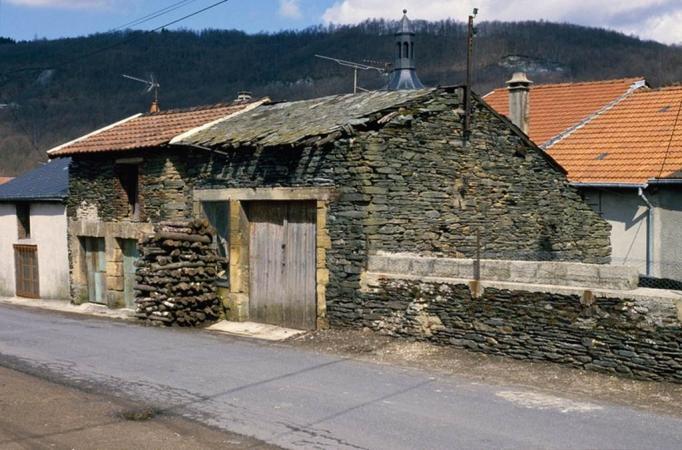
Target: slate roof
48 182
291 122
146 130
557 108
635 141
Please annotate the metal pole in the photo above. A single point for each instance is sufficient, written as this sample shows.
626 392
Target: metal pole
467 88
355 81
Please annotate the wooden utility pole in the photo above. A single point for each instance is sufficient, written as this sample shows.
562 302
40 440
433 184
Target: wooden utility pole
467 88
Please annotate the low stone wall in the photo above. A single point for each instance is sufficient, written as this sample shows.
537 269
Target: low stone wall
628 332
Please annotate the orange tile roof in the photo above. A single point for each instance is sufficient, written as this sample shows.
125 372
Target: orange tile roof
637 140
4 180
555 108
146 130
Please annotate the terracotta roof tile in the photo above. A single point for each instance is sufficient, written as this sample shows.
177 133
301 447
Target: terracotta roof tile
554 108
633 142
146 130
4 180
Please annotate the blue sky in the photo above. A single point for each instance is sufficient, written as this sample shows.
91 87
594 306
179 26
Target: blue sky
659 20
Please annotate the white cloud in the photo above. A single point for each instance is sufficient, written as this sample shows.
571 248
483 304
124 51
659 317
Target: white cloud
649 19
63 4
290 9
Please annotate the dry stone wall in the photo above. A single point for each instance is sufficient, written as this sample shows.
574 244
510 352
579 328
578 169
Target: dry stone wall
636 338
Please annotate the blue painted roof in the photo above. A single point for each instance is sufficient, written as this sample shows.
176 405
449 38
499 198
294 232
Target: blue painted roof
48 182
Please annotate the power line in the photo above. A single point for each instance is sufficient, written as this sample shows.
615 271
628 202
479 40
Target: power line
154 14
109 47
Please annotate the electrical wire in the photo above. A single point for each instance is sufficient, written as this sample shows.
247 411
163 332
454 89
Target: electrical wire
154 14
106 48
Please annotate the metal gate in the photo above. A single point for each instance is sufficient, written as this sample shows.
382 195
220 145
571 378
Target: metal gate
26 270
282 263
130 255
95 268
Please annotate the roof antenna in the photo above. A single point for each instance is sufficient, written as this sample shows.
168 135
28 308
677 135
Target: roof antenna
152 85
355 66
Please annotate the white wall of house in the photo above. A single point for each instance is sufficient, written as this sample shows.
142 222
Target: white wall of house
8 237
627 214
49 234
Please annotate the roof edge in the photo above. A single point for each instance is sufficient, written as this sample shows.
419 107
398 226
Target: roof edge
570 130
93 133
177 140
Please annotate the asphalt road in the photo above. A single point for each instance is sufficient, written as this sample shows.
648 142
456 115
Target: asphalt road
297 398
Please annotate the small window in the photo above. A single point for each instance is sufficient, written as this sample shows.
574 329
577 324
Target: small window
24 220
406 50
128 175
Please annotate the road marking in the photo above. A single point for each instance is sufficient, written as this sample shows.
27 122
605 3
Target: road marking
534 400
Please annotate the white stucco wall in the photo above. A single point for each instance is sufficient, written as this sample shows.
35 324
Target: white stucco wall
668 232
49 233
8 236
627 214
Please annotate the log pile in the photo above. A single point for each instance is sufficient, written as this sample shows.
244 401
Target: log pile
176 275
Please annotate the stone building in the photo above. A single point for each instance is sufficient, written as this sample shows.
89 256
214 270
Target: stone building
122 184
302 193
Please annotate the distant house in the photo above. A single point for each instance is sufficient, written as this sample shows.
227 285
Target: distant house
625 156
302 193
34 260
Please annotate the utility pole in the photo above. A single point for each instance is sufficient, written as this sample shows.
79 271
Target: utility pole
467 89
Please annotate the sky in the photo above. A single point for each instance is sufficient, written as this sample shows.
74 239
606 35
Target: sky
660 20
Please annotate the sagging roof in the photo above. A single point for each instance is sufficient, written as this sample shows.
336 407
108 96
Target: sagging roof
147 130
555 109
636 141
290 122
48 182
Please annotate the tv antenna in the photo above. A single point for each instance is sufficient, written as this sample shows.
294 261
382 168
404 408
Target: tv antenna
355 66
152 85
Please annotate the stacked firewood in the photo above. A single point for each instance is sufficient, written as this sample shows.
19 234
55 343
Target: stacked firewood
176 275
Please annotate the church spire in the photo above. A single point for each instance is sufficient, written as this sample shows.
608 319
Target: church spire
404 75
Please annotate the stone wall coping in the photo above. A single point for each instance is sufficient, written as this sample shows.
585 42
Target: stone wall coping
551 273
662 296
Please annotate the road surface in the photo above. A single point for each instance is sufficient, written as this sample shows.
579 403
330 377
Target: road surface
297 398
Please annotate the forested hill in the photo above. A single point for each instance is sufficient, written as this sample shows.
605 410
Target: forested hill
64 94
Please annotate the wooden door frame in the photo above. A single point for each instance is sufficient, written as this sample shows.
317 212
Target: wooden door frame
237 299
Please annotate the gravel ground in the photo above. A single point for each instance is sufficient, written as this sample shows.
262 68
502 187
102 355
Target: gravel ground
552 378
37 414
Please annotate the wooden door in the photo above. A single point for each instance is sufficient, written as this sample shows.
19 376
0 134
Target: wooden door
130 256
282 264
26 270
95 267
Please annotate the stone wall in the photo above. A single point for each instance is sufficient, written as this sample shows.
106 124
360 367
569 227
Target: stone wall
627 335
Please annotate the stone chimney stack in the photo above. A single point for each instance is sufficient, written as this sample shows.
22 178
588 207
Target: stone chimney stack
519 100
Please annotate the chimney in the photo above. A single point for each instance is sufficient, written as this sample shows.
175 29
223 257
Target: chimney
519 104
154 108
243 97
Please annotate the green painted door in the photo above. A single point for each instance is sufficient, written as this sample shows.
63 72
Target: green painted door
130 255
96 268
